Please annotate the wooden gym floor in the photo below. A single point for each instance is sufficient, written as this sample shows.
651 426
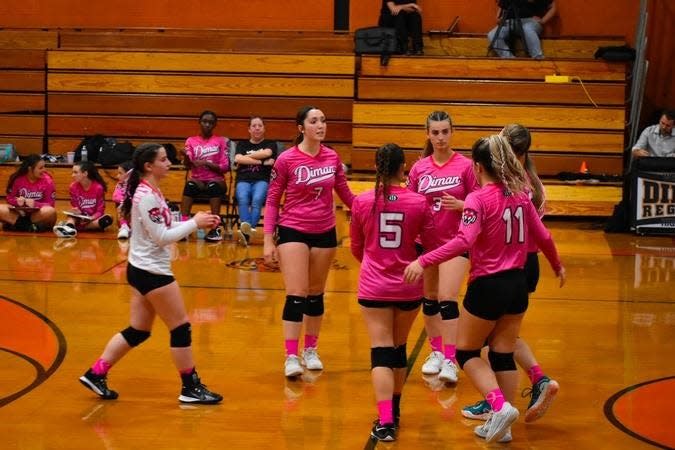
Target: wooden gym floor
608 337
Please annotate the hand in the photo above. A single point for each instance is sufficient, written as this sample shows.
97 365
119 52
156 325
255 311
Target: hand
451 203
537 19
416 7
269 162
30 202
640 153
413 272
20 201
395 10
206 220
198 163
270 251
562 274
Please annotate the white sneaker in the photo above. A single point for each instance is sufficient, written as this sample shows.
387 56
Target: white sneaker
481 431
64 231
292 367
243 238
245 228
310 359
432 365
448 372
123 232
500 422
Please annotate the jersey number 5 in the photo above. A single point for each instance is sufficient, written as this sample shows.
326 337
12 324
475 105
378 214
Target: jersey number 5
509 217
390 229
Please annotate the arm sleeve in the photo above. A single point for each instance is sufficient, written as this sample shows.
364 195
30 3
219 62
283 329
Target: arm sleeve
356 231
158 230
71 192
412 179
49 198
341 186
224 163
642 142
11 195
118 193
542 237
276 188
189 151
100 202
466 236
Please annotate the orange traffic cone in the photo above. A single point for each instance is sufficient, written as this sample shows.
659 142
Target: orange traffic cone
583 168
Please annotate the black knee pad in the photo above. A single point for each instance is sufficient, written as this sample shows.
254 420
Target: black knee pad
214 189
430 307
181 336
382 357
465 355
449 309
501 362
191 189
314 305
401 357
294 308
134 337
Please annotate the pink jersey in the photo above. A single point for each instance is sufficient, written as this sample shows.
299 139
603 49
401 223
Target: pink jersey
213 149
308 182
120 192
42 190
495 229
384 241
455 178
90 202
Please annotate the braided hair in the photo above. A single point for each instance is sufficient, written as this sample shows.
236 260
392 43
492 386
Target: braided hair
520 139
436 116
144 153
388 160
497 158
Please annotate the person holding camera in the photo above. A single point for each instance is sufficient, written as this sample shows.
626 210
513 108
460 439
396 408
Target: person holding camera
524 18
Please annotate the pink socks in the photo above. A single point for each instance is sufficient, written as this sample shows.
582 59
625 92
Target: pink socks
450 352
101 367
291 347
384 409
535 373
436 343
311 341
495 399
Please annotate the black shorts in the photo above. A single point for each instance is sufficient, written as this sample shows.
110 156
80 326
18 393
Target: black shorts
532 271
326 239
492 296
145 281
407 305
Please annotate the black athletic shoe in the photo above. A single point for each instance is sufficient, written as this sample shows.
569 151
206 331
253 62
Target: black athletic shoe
98 384
386 432
104 221
196 392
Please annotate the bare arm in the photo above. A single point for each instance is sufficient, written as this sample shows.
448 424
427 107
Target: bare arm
550 14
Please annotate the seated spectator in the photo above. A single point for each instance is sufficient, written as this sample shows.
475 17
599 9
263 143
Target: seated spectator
206 156
254 159
87 200
657 140
533 14
405 16
118 196
30 198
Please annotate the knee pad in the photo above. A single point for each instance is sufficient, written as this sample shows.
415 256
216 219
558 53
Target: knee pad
181 336
191 189
214 189
134 337
401 357
449 309
501 362
465 355
430 307
294 308
382 357
314 305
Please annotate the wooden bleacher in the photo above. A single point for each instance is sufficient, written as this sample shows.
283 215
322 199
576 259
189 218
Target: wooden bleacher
57 86
484 94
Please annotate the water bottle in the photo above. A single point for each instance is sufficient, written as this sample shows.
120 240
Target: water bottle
83 154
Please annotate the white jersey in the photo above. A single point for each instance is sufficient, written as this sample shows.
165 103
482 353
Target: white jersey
153 232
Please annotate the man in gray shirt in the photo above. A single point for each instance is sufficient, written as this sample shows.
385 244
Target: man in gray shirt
657 140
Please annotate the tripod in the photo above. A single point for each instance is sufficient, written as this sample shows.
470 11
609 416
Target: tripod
510 17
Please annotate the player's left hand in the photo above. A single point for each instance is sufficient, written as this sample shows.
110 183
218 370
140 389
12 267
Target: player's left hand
451 203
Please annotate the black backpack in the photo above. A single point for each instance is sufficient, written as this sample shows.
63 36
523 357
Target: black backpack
94 144
116 155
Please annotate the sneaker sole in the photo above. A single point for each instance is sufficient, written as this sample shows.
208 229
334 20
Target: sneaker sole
447 379
92 387
505 426
430 372
295 373
508 437
470 415
192 400
543 402
242 238
387 439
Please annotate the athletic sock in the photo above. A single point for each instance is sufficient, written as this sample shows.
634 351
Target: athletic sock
101 367
495 399
535 373
436 343
291 347
396 404
384 408
311 341
450 352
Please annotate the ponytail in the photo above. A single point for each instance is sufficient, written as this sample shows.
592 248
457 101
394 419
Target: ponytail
144 153
520 140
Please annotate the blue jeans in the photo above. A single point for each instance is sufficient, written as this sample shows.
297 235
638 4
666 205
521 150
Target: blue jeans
531 30
250 199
